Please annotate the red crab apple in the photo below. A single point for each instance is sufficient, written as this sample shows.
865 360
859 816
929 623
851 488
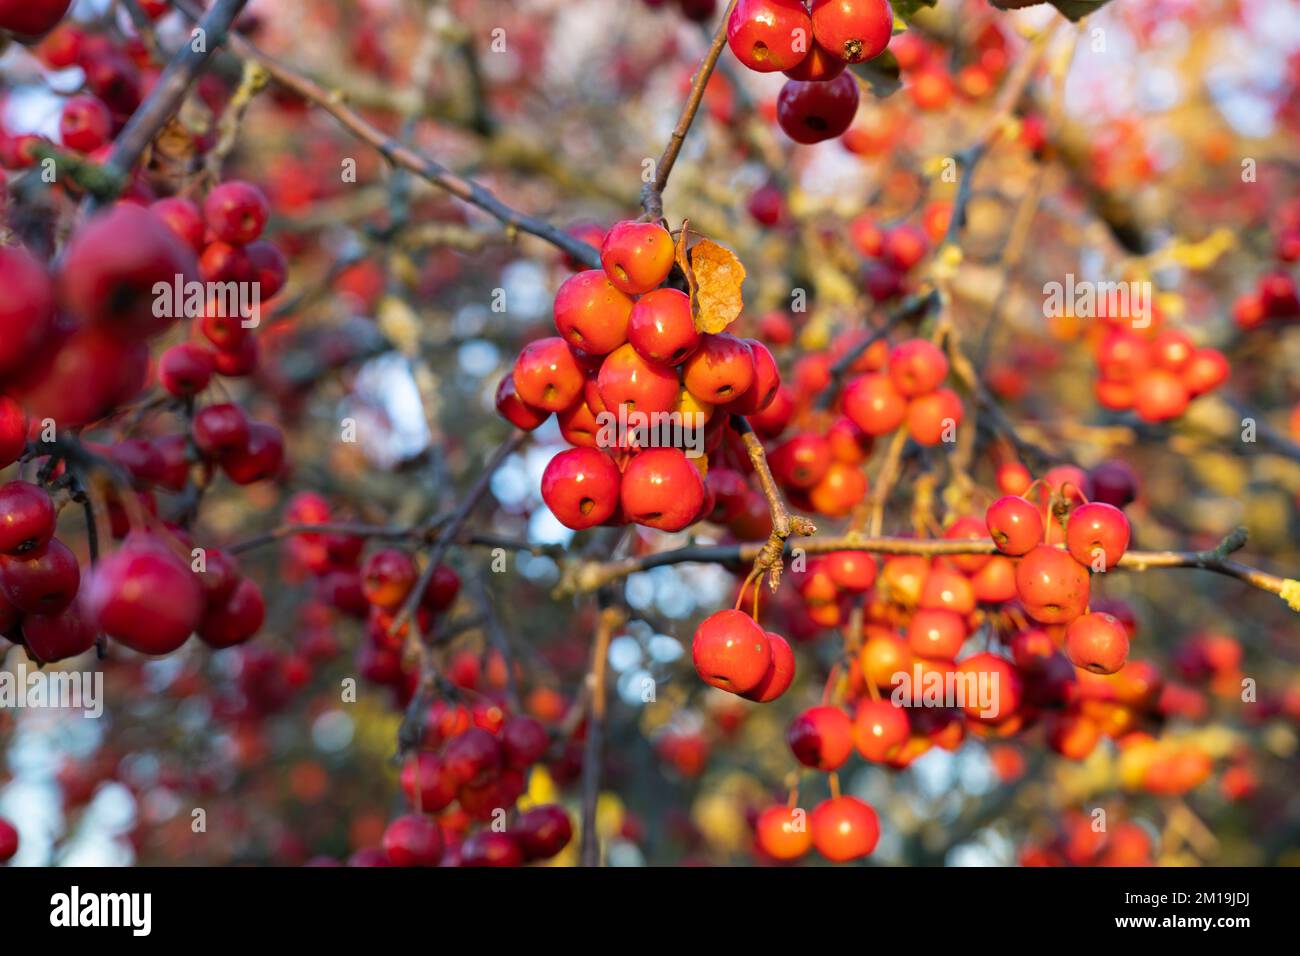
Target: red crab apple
236 212
780 673
387 578
627 379
662 489
542 831
514 409
1005 685
821 737
812 111
855 30
237 619
547 376
85 124
731 651
260 459
31 18
426 783
183 218
767 380
581 487
56 637
144 597
43 581
769 35
844 828
1097 534
1097 642
1053 586
413 840
637 256
592 313
933 418
880 729
917 367
662 328
721 370
185 369
488 848
819 65
1016 525
26 517
220 430
874 404
8 841
782 833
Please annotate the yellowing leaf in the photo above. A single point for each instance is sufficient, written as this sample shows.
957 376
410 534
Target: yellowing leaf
716 276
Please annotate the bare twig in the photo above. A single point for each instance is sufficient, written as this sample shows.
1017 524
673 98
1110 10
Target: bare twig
593 754
784 524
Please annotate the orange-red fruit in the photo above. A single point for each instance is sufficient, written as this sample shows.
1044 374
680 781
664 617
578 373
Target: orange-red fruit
1097 642
916 367
1097 535
782 833
934 418
780 673
662 489
591 313
821 737
1053 586
854 30
874 404
581 487
731 651
637 256
769 35
661 327
1015 525
880 729
844 828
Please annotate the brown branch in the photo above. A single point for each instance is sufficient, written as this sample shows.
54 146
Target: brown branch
784 524
466 190
593 753
652 199
169 92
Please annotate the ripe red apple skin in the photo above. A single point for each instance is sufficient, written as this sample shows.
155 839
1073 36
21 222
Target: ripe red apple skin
1003 679
880 729
26 307
444 585
721 369
42 581
581 487
782 835
1097 530
821 738
236 212
236 619
802 461
26 517
627 379
111 266
85 124
934 417
731 651
917 367
31 18
13 431
1052 585
220 430
851 570
637 256
145 598
762 34
767 380
387 578
542 832
1015 525
8 841
1097 642
874 404
844 828
661 327
260 459
810 112
780 673
487 848
270 268
854 30
662 489
818 65
185 369
547 375
936 634
413 840
426 783
514 409
591 313
183 218
839 490
55 637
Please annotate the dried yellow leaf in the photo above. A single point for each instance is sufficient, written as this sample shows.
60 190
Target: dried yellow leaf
716 275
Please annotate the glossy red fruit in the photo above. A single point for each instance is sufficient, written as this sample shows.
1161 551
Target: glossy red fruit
488 848
183 218
767 381
844 828
874 404
13 431
662 488
413 840
810 112
721 370
1160 395
628 380
111 266
731 651
854 30
144 597
524 741
26 517
933 418
581 487
547 376
471 756
821 738
427 785
783 833
839 491
55 637
270 268
543 831
802 461
917 367
1097 642
1205 371
514 409
220 430
236 212
31 18
851 570
592 313
1097 535
236 619
780 673
637 256
85 124
26 308
661 327
260 459
42 581
769 35
1015 525
1114 483
819 65
1053 586
936 634
880 729
387 578
1002 682
185 369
